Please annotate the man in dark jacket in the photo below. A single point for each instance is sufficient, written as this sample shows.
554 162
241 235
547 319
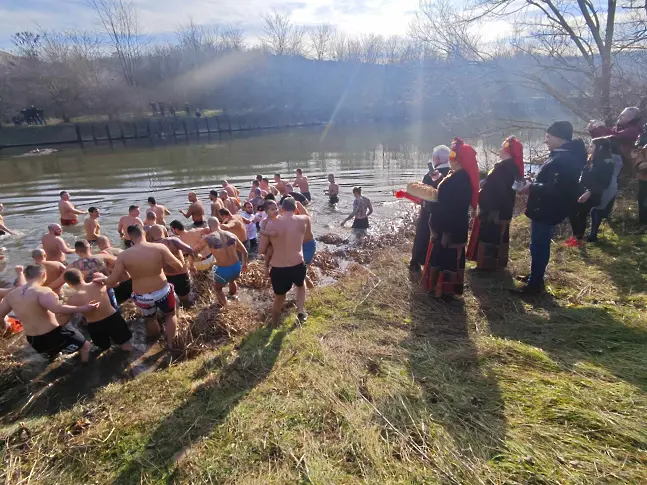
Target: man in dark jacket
552 197
438 168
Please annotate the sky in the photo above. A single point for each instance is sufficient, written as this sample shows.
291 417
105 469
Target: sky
161 17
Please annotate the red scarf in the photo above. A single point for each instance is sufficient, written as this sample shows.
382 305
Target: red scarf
515 150
465 155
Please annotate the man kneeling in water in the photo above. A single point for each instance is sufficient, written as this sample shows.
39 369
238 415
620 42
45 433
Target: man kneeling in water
105 324
225 248
35 306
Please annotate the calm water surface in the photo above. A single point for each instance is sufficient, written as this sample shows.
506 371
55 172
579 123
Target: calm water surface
377 158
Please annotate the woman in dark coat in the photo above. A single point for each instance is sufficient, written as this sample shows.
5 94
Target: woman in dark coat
445 264
490 237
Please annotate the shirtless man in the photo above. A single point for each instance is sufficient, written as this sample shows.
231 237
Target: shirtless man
53 269
19 281
189 237
252 193
234 224
109 255
270 189
145 263
159 210
35 306
150 221
333 190
91 225
180 280
362 209
227 251
231 190
105 323
289 192
69 213
54 245
88 264
4 229
132 219
105 246
195 210
228 203
257 199
216 203
288 266
301 181
279 184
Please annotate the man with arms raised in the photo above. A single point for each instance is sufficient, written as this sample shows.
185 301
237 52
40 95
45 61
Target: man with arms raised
69 213
288 266
145 263
159 210
132 219
179 279
35 306
53 244
225 248
195 210
301 181
53 270
216 203
105 323
91 225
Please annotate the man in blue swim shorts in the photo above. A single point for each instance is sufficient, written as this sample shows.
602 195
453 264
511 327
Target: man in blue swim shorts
225 248
309 248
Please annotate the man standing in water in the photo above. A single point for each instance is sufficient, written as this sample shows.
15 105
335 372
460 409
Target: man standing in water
279 184
145 264
231 190
69 213
35 307
159 210
227 251
301 181
362 209
132 219
3 229
91 225
195 210
228 203
333 190
54 245
180 280
105 323
288 266
216 203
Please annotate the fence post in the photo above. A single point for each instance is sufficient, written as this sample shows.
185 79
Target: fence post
78 134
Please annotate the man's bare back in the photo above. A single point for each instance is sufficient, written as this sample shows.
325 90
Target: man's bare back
27 303
54 270
145 264
127 221
53 246
92 229
93 292
290 231
302 183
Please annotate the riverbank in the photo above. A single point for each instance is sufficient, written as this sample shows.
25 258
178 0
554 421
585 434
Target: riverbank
384 385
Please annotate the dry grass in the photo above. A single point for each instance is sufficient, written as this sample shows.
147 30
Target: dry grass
386 385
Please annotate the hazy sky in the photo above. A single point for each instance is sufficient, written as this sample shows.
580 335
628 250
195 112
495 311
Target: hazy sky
161 17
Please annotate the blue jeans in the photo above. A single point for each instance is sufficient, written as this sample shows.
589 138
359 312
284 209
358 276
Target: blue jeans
540 238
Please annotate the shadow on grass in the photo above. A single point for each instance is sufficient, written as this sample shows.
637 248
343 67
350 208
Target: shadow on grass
459 392
624 261
207 407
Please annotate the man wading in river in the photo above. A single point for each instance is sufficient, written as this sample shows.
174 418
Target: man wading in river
69 213
145 262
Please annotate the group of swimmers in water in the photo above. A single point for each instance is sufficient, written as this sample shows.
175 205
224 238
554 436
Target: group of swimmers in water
155 265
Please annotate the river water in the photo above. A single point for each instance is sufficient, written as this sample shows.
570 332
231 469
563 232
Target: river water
376 157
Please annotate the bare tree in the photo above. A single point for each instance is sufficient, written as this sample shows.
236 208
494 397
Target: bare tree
232 38
119 20
297 41
372 48
339 47
277 33
26 44
321 37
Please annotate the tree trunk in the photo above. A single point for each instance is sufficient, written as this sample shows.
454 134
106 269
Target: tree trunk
605 91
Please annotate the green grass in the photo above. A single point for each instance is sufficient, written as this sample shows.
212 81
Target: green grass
385 385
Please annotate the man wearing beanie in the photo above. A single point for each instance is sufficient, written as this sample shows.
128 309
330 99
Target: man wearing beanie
552 197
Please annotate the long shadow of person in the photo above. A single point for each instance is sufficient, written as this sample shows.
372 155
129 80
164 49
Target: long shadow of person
460 391
207 406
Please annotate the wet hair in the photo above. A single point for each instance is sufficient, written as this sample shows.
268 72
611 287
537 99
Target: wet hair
150 216
259 177
33 271
277 175
73 277
151 200
134 231
92 210
224 212
132 208
299 171
81 245
37 253
289 204
357 190
177 225
270 197
214 193
62 193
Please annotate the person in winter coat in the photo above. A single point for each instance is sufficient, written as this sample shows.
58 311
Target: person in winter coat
490 237
595 178
608 197
552 197
626 130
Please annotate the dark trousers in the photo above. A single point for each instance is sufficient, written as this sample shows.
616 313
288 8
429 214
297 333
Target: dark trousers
421 240
540 238
596 219
579 216
642 202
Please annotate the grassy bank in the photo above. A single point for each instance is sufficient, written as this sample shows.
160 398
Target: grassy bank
384 385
